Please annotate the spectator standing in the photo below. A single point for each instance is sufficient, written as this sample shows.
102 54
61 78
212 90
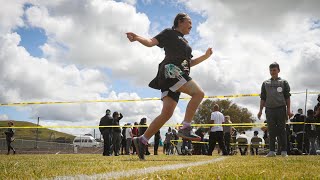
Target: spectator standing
106 132
227 129
275 96
9 137
135 133
317 116
157 138
216 132
123 140
311 131
167 142
116 136
129 137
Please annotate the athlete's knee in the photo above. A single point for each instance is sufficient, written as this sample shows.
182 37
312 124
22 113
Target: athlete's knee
199 94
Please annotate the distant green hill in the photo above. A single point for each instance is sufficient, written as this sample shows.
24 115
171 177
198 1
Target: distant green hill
30 134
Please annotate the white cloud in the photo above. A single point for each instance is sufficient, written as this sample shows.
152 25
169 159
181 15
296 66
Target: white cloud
3 117
92 34
28 78
11 15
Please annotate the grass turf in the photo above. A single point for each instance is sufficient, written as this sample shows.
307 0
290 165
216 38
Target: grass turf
233 167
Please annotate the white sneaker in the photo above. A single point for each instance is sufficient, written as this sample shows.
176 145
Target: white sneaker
271 154
284 154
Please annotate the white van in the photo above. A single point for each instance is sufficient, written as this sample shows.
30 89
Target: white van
85 141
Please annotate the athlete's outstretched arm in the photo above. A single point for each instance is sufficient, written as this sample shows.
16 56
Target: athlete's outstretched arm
201 58
145 41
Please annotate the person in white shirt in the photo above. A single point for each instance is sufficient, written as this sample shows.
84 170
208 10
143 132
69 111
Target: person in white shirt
216 132
129 137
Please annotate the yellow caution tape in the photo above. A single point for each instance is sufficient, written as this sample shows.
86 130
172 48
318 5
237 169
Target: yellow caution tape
166 125
133 100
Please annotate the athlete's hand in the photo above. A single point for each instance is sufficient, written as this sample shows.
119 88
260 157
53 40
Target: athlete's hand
259 115
290 114
208 52
131 36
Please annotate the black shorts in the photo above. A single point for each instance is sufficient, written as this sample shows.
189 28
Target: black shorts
172 91
170 78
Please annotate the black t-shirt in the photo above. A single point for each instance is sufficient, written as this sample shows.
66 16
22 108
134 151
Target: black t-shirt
106 120
117 123
174 44
316 109
142 129
157 135
298 118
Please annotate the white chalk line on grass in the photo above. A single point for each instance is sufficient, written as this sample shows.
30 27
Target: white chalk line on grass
134 172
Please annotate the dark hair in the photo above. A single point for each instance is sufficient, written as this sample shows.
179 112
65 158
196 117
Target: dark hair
179 17
274 65
310 112
143 121
216 107
108 111
255 132
115 113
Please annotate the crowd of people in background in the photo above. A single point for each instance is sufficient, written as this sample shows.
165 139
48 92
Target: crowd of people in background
302 136
119 141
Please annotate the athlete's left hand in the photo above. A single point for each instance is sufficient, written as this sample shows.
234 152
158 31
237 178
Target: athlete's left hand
209 52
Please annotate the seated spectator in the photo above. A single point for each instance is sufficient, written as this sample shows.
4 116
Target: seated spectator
298 129
242 142
255 143
198 147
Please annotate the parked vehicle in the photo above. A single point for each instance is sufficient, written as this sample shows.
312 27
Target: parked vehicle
85 141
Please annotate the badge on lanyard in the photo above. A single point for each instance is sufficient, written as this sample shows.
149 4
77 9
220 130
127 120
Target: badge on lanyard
279 89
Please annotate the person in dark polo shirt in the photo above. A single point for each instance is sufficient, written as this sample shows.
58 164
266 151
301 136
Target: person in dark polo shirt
317 117
106 132
173 78
275 96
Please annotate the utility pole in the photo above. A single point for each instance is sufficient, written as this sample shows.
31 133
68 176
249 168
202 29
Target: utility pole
94 133
305 103
37 134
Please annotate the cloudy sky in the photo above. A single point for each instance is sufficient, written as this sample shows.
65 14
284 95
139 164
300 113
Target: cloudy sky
66 50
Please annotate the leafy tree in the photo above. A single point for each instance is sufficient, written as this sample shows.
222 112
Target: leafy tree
237 114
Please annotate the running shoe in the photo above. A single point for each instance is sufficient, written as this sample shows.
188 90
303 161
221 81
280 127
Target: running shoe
140 148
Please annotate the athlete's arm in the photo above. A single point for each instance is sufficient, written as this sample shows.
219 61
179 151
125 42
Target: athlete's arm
145 41
201 58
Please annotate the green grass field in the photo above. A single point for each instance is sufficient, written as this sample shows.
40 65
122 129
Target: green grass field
232 167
